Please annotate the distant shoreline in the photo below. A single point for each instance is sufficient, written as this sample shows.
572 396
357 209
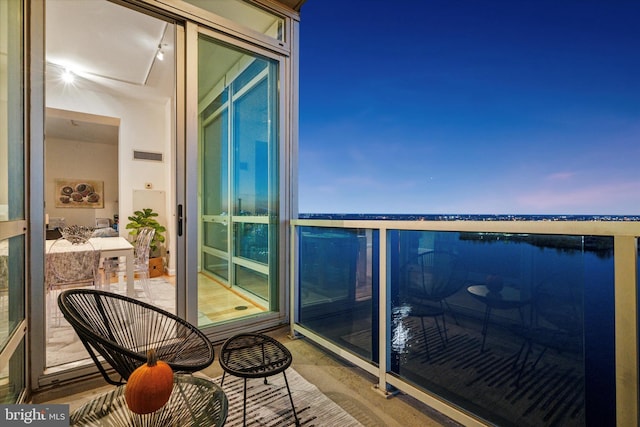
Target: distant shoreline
469 217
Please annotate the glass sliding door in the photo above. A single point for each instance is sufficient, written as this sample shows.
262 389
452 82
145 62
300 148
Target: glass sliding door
12 204
238 151
114 126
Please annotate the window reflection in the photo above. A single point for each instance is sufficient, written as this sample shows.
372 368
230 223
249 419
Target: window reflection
11 286
12 377
509 327
497 322
339 287
11 112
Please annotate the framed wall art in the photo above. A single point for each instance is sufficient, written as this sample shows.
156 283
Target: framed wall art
79 193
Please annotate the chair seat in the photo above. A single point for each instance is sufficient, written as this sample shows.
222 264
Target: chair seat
426 310
254 356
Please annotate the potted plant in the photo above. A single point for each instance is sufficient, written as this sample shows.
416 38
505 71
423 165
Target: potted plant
147 218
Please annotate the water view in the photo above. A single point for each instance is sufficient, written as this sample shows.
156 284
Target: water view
516 328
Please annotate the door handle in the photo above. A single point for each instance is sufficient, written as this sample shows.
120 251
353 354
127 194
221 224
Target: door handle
180 219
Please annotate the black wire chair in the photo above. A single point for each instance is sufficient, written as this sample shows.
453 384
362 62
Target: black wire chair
432 277
122 329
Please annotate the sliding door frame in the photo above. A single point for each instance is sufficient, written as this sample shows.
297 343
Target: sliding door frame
188 23
190 198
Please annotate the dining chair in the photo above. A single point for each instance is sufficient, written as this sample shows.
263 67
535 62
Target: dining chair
140 264
71 261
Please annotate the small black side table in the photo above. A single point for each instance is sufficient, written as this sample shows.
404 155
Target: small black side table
504 298
250 355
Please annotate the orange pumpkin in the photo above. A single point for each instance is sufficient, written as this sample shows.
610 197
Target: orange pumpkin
149 386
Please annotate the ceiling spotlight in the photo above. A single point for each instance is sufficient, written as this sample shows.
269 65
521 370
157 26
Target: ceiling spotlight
160 55
68 76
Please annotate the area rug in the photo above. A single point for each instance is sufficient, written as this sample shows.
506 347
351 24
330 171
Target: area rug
269 406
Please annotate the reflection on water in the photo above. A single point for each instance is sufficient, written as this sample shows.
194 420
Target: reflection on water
401 334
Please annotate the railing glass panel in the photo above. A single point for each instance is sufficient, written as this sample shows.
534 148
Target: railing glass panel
338 295
515 328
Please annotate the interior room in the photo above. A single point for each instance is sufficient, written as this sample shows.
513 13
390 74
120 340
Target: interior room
111 124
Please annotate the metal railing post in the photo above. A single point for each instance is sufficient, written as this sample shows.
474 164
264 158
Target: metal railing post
626 329
383 348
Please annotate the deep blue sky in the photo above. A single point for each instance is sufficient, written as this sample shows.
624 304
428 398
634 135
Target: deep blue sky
470 106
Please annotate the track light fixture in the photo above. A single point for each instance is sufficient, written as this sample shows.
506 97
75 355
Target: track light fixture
68 76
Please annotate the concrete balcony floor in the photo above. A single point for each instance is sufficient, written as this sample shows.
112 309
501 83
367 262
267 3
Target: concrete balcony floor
348 386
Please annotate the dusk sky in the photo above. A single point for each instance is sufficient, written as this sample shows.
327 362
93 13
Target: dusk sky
470 107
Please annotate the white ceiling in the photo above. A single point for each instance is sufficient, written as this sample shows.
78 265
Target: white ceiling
100 40
81 35
77 130
112 48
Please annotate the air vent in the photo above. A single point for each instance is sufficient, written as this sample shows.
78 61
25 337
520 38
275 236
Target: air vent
146 155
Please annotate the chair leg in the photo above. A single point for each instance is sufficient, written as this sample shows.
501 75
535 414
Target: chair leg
295 415
444 340
426 340
106 270
144 280
528 346
485 326
453 314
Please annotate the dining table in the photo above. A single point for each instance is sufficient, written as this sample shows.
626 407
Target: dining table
109 247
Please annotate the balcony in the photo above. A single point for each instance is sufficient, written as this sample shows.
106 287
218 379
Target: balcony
350 388
507 323
489 323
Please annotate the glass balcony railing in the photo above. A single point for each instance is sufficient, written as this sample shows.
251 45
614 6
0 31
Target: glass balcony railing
485 323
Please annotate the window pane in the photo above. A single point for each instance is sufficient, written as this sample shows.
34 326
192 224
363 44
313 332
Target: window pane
12 377
214 166
252 241
11 286
11 112
216 265
215 235
253 282
251 165
238 106
339 287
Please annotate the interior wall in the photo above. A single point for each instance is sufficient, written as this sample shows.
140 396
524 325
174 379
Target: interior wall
145 125
66 159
